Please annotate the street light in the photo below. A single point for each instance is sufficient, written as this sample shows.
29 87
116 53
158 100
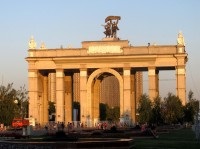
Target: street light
16 101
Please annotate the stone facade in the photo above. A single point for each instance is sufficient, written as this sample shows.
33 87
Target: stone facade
76 75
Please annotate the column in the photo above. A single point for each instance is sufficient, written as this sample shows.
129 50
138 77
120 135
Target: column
52 86
40 104
59 95
133 97
45 101
181 83
83 95
33 94
127 94
68 99
153 83
96 101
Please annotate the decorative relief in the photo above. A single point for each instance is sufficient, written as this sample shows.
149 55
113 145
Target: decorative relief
104 49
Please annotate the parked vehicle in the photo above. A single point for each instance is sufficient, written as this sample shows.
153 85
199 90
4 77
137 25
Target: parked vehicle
18 123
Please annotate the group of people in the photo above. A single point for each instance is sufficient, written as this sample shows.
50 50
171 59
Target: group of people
102 125
149 129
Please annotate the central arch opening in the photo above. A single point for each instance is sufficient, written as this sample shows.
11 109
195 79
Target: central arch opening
105 96
109 103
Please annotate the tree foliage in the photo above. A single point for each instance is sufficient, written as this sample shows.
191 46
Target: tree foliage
191 108
144 109
172 109
52 108
156 117
193 102
13 103
103 110
113 114
109 113
168 110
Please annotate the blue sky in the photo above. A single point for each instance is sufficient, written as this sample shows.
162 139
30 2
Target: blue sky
68 23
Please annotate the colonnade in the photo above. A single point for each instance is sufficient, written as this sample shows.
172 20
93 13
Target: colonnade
113 56
89 93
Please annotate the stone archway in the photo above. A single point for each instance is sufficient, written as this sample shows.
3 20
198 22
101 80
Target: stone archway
96 55
92 105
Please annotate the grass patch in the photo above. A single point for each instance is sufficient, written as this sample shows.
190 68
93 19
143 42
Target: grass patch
176 139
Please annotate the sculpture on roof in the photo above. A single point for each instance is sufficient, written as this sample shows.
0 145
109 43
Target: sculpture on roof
43 46
32 44
180 39
111 26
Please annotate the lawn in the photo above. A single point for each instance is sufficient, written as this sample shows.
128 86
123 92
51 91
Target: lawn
175 139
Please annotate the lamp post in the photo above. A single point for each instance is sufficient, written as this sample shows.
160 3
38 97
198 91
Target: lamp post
16 101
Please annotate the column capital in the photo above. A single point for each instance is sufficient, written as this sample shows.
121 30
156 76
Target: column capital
83 69
127 71
126 68
151 71
83 72
32 70
59 69
180 70
83 66
151 67
59 73
32 73
126 65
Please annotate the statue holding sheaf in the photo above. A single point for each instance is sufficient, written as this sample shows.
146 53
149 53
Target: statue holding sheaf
111 26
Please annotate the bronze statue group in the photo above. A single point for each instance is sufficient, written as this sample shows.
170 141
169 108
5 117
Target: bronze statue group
111 26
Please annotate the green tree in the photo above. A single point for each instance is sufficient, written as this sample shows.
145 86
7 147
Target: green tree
172 109
109 113
156 111
188 113
103 110
193 102
113 114
191 108
144 109
52 108
13 103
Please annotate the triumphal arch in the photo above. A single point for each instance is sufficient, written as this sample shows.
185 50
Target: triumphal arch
51 74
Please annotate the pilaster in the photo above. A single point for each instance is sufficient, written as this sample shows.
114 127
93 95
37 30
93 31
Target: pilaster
59 95
153 82
127 94
84 112
68 99
33 94
45 101
133 97
96 101
181 83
